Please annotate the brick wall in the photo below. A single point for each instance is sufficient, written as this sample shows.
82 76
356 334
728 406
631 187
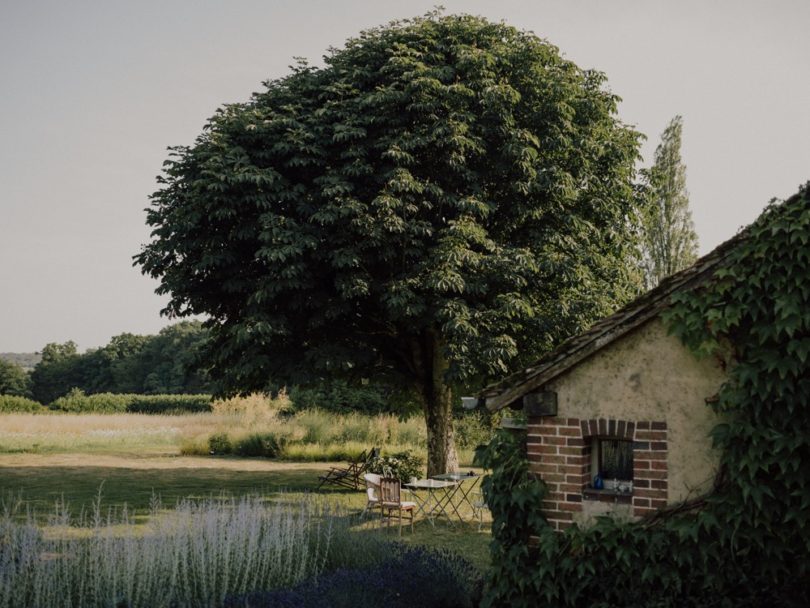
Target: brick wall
560 452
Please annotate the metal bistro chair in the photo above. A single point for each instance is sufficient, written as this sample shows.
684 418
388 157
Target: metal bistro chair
391 499
372 491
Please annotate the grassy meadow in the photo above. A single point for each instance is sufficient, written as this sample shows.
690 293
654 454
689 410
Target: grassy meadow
57 468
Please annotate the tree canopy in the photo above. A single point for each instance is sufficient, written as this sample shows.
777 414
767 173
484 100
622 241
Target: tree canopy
443 200
165 363
13 379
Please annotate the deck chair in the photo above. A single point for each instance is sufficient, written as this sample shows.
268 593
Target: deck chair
391 499
350 476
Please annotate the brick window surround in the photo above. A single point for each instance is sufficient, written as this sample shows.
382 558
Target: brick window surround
559 451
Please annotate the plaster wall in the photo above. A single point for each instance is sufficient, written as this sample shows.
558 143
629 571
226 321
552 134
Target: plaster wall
650 375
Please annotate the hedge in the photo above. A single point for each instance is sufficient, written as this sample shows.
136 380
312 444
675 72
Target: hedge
140 404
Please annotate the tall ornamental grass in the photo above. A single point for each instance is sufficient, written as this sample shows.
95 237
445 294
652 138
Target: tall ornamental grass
194 555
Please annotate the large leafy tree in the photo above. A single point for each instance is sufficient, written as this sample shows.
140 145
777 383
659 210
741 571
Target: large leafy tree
13 379
669 242
441 201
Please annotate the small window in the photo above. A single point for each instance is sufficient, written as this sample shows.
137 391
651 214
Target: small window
615 459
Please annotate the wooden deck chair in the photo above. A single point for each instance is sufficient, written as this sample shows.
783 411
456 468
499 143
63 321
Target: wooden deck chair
391 499
349 476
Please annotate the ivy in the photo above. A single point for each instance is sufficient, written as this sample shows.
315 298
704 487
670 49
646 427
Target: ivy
746 543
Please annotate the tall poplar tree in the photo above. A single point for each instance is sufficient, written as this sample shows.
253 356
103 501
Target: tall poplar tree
669 242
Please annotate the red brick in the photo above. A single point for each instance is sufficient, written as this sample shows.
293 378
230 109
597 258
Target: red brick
541 449
573 422
660 465
576 442
643 426
554 440
573 497
602 426
659 484
650 474
641 502
640 483
571 452
562 515
594 426
570 487
537 467
577 479
650 435
548 505
658 446
646 455
569 431
562 525
573 507
549 459
647 493
659 504
640 464
658 426
641 511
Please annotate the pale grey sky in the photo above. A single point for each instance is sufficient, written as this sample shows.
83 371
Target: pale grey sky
92 93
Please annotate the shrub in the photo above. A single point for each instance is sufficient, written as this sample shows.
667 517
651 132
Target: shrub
219 444
473 429
13 403
259 444
402 466
406 577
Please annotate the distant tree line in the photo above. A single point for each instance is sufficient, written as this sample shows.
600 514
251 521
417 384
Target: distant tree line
165 363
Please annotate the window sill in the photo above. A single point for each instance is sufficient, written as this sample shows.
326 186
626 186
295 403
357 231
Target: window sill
607 496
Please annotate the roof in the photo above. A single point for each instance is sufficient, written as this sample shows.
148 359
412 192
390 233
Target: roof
607 330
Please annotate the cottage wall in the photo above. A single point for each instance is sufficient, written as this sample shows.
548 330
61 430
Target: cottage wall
645 387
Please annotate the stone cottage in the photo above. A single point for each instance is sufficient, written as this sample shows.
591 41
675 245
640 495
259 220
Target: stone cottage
618 421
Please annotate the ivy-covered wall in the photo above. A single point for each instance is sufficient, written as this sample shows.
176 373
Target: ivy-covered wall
747 541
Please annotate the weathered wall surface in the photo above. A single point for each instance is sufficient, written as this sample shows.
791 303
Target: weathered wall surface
650 375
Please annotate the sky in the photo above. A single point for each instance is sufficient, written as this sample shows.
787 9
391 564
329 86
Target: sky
92 94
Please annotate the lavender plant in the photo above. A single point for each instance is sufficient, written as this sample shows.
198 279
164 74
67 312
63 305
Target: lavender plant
194 555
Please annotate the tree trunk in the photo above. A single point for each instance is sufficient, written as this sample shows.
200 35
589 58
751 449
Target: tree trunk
437 405
442 457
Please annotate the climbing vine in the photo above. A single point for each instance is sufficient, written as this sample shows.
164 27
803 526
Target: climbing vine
746 543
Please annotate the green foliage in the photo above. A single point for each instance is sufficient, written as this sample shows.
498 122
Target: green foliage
474 428
15 403
402 466
669 242
748 542
13 379
445 199
57 372
161 364
77 401
219 444
267 445
339 396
